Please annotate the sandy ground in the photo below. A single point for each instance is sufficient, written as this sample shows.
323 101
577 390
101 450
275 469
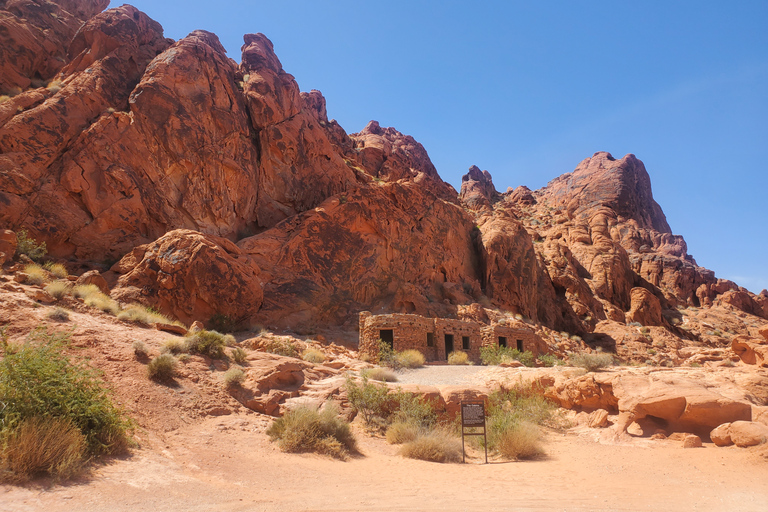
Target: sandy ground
228 464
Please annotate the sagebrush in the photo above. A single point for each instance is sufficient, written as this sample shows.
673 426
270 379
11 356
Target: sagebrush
305 429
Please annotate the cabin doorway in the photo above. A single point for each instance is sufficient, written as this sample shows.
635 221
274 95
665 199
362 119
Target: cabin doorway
388 337
448 344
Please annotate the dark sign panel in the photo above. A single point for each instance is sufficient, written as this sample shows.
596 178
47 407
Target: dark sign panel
472 414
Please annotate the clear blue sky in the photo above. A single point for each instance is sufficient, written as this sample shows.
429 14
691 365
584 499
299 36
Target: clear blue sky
528 89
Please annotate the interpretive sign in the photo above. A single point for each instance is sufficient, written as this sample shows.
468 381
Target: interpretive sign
473 417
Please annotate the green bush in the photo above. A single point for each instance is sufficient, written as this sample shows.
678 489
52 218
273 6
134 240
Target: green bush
458 357
380 374
368 399
411 408
239 355
304 429
38 380
550 360
223 323
162 368
496 354
29 246
207 343
234 377
592 362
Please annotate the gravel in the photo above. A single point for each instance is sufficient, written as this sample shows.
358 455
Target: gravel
442 375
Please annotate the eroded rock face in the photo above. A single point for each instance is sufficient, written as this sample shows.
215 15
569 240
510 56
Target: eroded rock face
191 276
34 36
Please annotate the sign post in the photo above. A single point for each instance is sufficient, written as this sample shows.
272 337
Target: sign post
473 417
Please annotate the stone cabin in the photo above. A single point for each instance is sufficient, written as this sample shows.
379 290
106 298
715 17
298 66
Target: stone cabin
438 337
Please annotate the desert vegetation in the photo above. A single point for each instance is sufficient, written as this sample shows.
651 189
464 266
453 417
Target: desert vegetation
592 362
496 354
162 368
305 429
56 414
399 359
29 246
458 357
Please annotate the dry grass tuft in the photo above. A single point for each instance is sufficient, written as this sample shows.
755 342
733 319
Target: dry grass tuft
410 359
37 274
42 445
58 270
58 289
138 314
140 349
519 440
103 303
437 445
401 432
592 362
234 377
58 315
458 358
207 343
304 429
162 368
313 355
380 374
83 291
174 346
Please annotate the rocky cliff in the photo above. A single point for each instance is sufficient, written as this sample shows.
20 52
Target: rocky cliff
223 189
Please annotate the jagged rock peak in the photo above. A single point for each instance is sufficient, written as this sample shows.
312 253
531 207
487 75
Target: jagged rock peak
477 190
602 181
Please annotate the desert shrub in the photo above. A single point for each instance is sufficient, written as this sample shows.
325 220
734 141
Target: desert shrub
304 429
411 408
514 438
281 346
162 368
58 270
496 354
409 359
223 323
380 374
138 314
312 355
550 360
207 343
38 380
174 346
40 445
58 289
591 362
513 418
367 399
435 446
58 314
83 291
234 377
36 274
54 86
103 303
458 357
29 246
239 355
401 432
140 349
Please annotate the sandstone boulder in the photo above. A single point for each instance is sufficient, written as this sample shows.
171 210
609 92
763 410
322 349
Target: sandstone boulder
191 276
8 243
721 435
453 396
598 419
95 278
750 350
645 308
748 433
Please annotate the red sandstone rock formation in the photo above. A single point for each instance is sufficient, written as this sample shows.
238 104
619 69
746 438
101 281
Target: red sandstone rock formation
141 136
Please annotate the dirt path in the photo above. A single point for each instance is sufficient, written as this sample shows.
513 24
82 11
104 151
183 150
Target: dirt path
228 464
